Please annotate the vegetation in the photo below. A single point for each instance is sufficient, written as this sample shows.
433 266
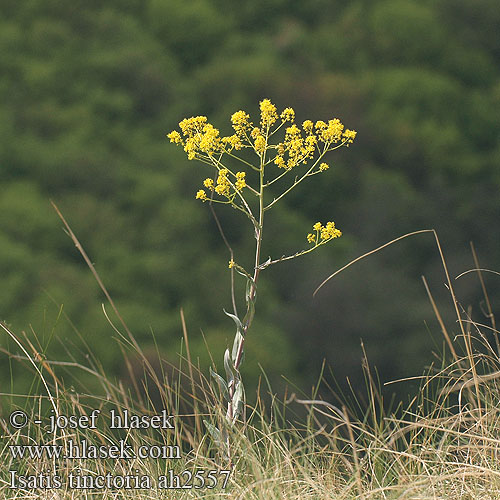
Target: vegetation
443 445
91 88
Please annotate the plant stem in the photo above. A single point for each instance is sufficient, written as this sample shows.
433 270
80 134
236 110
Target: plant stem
253 288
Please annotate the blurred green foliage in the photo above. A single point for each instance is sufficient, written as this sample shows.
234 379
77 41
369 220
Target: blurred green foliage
90 89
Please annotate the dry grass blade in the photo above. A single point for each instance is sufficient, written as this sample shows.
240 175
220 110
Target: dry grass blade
191 376
42 378
94 272
80 248
490 313
371 252
444 331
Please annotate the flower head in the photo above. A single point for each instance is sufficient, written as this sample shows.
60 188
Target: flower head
323 233
288 115
348 136
240 181
201 195
268 114
209 141
201 139
332 132
260 144
193 125
308 126
241 122
175 137
209 183
223 186
233 141
329 231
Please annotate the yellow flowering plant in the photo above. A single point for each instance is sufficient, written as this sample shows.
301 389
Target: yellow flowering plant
278 147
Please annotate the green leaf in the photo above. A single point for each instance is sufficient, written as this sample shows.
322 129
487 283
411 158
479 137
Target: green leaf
238 340
249 291
214 432
221 383
250 313
229 369
235 318
250 303
238 400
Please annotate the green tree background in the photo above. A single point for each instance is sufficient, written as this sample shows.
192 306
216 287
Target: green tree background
89 89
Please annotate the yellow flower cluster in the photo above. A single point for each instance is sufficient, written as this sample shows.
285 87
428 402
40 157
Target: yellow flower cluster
300 145
333 132
193 125
245 130
323 233
298 148
201 195
260 143
348 136
329 231
223 186
240 181
202 141
308 126
175 137
288 115
233 141
268 114
199 137
240 121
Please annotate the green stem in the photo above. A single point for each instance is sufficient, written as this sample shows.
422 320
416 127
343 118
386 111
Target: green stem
253 290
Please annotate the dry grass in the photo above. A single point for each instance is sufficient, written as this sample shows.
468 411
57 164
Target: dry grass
445 445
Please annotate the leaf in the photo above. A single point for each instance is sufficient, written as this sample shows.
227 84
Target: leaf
214 432
250 313
225 442
238 340
267 263
228 368
238 400
250 303
248 292
221 383
235 318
